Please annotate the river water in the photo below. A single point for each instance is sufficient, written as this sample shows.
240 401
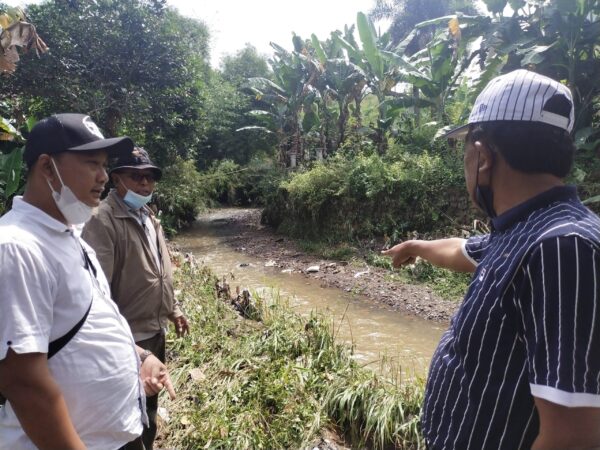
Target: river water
383 339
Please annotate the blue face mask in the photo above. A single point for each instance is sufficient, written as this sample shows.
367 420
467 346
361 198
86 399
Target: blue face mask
135 201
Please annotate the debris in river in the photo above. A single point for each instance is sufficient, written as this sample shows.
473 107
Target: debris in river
222 289
189 258
244 304
364 272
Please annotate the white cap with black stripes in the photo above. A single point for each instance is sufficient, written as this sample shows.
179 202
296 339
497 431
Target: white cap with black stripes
522 96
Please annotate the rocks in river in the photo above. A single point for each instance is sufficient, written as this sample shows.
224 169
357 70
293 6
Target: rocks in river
313 269
271 263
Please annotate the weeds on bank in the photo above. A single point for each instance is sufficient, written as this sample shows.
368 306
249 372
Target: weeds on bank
277 383
341 252
446 283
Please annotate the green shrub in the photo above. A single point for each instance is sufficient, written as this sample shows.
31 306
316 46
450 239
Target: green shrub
180 195
228 183
346 198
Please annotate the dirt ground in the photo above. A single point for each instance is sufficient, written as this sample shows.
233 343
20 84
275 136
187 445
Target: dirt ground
356 276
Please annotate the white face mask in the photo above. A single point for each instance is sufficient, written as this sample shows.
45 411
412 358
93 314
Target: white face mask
75 211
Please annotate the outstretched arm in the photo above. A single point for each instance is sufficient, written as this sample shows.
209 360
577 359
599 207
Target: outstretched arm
37 401
446 253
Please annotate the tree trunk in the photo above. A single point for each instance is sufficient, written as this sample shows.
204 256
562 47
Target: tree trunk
111 121
416 107
343 119
357 112
381 139
319 153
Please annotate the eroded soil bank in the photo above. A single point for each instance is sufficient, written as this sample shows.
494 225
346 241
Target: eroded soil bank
247 235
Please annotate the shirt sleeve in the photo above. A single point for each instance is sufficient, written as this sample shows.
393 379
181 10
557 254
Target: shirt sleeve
560 311
474 248
26 300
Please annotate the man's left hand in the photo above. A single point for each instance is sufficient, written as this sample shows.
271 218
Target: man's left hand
155 377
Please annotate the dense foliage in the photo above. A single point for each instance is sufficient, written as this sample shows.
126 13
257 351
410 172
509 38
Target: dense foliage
351 112
138 68
368 194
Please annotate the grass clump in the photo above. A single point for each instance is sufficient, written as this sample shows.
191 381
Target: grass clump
446 283
282 382
340 251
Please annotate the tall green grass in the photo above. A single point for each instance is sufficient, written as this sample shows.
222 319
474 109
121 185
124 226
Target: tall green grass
279 383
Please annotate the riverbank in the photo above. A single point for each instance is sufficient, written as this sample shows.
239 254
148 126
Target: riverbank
352 274
278 380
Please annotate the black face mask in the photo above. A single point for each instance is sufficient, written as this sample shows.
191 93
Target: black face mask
484 196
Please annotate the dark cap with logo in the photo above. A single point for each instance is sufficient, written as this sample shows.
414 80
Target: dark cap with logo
136 159
70 133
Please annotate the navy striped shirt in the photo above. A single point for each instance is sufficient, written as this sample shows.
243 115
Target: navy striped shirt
528 326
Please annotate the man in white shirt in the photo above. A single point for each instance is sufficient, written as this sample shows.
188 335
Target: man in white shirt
69 368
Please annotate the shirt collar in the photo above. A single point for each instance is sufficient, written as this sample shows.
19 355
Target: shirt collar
522 210
37 215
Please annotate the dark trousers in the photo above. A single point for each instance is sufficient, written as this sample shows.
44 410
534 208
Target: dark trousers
156 345
134 445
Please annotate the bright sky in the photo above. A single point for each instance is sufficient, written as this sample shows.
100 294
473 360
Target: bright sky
233 23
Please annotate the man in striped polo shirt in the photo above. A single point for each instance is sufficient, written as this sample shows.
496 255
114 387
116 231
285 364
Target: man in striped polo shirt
519 366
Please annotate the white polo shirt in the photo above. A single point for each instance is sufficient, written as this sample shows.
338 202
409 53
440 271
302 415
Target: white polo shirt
45 291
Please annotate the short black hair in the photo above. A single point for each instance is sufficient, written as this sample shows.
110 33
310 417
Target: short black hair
529 147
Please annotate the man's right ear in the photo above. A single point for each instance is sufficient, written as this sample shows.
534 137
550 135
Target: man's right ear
486 155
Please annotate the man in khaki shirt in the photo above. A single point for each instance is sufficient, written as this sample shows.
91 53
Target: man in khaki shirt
130 245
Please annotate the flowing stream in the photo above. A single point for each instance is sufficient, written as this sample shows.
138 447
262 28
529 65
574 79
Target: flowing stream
379 334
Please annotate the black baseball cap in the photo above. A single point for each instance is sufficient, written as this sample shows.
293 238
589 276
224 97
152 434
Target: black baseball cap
136 159
70 133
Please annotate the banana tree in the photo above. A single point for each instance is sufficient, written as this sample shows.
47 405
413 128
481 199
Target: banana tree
381 74
282 101
341 82
11 163
16 33
558 38
567 47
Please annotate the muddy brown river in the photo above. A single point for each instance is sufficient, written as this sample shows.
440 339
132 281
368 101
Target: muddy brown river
379 335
